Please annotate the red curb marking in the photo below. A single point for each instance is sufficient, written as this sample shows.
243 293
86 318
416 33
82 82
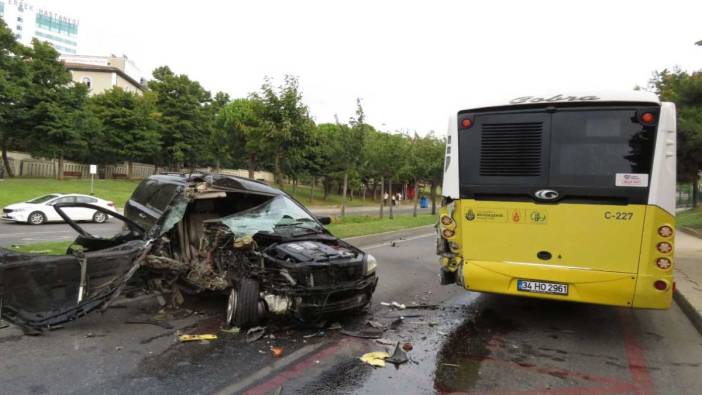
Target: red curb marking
637 362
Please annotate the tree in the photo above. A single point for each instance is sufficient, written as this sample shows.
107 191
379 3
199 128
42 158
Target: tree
352 141
685 90
185 120
286 125
54 108
14 80
240 120
128 128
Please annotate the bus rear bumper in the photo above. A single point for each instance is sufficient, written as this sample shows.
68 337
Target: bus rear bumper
584 286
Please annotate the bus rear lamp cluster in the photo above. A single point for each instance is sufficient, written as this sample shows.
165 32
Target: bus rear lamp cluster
446 220
663 263
648 118
660 285
665 231
664 247
466 123
448 233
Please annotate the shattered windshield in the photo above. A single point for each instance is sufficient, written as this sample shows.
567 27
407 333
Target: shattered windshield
277 215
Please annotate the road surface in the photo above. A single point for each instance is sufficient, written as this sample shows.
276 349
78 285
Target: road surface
13 233
471 342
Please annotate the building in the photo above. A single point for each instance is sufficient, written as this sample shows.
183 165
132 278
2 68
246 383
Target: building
28 22
101 73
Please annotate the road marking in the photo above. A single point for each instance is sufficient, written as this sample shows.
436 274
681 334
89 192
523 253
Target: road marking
277 365
637 362
387 243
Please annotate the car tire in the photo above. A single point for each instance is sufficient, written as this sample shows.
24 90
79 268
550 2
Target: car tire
99 217
243 305
36 218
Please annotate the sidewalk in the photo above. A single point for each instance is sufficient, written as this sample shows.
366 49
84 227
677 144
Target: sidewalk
688 276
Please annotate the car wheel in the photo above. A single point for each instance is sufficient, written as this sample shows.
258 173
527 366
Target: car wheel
36 218
99 217
243 308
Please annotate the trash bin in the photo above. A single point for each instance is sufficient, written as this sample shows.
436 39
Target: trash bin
423 202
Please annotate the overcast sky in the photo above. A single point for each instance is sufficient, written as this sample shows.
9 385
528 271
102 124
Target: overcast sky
412 63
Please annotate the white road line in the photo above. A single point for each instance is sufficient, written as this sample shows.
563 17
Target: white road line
387 243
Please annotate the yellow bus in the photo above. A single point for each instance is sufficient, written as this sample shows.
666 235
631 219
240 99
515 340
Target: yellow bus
564 197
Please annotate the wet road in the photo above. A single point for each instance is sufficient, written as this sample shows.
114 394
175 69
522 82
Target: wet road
14 233
471 343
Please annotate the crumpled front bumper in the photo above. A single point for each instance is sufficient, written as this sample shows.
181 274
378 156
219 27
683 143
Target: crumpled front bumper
323 300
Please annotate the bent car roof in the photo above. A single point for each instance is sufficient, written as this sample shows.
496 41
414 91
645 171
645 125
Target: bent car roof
219 180
573 97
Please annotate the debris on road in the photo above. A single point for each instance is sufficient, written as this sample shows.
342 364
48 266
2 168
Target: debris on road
233 330
398 356
375 359
315 334
407 347
191 338
162 324
335 326
375 324
365 333
277 352
255 334
396 324
394 304
385 342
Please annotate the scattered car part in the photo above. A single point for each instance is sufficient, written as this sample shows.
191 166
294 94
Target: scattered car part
398 356
255 334
191 338
375 359
277 352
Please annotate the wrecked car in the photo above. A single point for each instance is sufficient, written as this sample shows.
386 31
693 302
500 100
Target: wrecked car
190 233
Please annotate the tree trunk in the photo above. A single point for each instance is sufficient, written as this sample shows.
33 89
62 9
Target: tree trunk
278 172
314 179
382 195
252 166
59 173
343 193
414 210
433 197
130 170
6 161
390 197
364 194
217 165
695 183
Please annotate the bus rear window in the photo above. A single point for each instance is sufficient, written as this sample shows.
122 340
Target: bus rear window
588 148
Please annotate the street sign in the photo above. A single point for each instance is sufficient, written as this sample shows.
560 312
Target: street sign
93 169
93 172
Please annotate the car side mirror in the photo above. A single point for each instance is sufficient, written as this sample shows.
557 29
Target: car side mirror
324 220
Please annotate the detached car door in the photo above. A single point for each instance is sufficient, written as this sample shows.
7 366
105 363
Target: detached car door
40 291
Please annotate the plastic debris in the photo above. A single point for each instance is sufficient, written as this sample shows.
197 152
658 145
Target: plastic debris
385 342
255 333
396 324
315 334
407 347
365 333
191 338
375 324
398 356
277 352
376 359
394 304
233 330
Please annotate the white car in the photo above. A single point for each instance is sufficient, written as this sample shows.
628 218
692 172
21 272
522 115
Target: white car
40 210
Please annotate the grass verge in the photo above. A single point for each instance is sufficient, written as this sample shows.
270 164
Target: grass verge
690 218
363 225
347 227
14 190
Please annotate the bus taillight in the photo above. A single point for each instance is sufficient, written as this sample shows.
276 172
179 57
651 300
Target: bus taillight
446 220
466 123
664 247
665 231
660 285
663 263
448 233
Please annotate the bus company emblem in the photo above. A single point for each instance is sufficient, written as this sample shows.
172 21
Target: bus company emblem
537 217
470 215
552 99
546 194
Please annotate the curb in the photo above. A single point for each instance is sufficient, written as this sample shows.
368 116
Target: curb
689 310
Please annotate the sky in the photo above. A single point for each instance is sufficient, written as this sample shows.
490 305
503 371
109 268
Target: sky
412 63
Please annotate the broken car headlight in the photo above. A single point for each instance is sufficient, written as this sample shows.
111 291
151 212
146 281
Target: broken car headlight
371 264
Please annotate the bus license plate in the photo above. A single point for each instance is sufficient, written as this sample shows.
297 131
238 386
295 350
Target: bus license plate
542 287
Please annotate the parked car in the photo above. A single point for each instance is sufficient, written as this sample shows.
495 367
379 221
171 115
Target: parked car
256 245
40 210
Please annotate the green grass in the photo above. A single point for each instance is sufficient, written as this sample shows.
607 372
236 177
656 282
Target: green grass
303 194
48 248
16 190
690 218
363 225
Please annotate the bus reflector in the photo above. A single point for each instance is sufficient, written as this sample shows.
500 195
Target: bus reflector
665 231
664 247
660 285
466 123
647 117
663 263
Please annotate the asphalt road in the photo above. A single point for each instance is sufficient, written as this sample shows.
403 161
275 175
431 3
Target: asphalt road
14 233
470 343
